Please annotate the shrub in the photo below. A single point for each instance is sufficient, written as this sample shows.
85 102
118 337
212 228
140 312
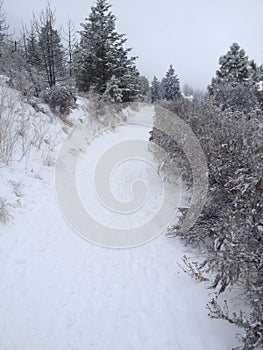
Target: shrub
61 99
231 225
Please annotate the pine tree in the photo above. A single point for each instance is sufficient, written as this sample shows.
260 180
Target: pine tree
32 48
113 93
156 92
171 85
234 66
144 87
234 86
100 55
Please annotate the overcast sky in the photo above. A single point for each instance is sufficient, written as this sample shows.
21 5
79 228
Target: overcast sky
190 34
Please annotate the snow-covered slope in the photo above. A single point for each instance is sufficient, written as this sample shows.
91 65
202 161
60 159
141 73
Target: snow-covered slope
60 292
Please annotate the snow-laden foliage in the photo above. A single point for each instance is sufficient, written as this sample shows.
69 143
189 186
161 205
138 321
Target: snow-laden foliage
235 84
156 90
237 97
113 93
21 127
23 76
37 60
144 87
167 89
61 100
101 55
234 66
171 85
231 225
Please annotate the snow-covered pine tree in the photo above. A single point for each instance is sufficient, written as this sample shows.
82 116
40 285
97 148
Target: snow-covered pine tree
171 85
233 86
234 66
113 94
101 55
144 88
156 91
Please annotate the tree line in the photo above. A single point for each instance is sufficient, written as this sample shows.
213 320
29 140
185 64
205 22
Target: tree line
45 57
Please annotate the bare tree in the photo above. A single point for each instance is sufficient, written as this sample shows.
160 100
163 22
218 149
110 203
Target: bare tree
50 47
71 43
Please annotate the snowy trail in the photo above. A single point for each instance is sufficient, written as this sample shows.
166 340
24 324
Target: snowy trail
59 292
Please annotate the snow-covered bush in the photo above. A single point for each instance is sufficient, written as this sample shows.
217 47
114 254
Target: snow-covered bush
231 225
26 79
21 128
113 92
236 97
102 112
21 74
61 99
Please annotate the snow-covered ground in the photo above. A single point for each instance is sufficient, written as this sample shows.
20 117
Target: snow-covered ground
60 292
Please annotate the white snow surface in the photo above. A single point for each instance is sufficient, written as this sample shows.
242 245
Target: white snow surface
60 292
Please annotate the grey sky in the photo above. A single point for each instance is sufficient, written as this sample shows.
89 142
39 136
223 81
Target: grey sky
190 34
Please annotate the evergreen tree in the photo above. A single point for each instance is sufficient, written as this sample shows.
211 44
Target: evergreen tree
144 87
32 49
234 86
113 93
234 67
156 91
171 85
100 55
